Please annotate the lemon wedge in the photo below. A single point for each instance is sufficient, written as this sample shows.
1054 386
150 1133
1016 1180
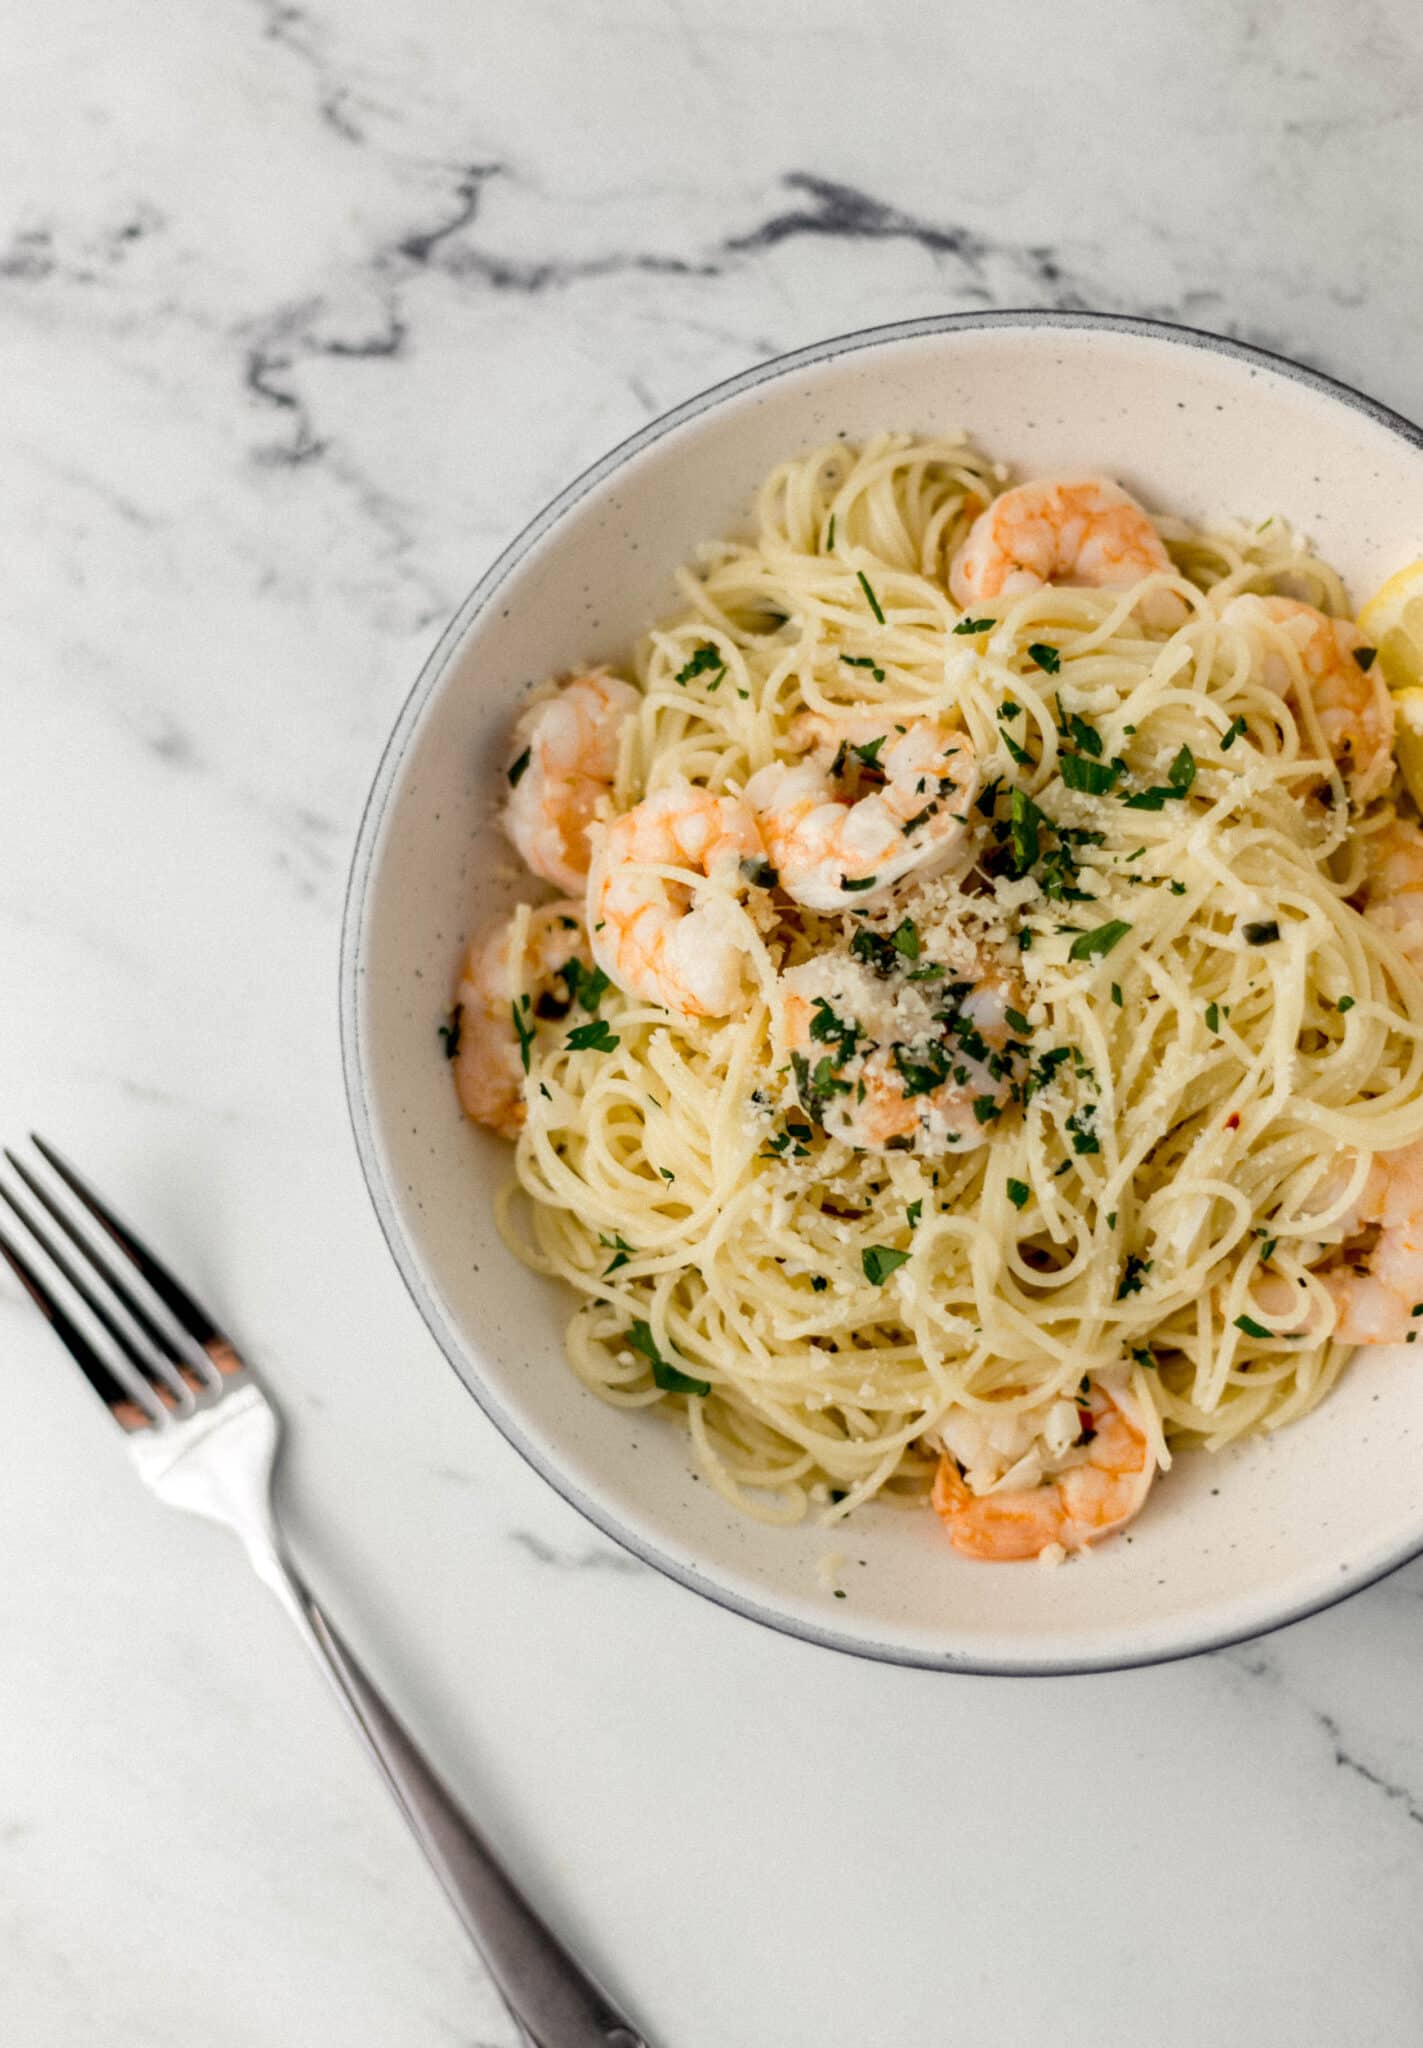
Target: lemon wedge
1408 740
1392 621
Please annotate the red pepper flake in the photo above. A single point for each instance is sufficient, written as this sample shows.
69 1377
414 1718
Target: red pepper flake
1088 1430
1232 1122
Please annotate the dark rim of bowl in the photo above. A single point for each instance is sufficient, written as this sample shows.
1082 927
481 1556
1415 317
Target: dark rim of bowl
456 1354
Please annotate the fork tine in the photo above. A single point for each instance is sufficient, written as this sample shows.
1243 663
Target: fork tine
157 1336
170 1291
127 1412
162 1375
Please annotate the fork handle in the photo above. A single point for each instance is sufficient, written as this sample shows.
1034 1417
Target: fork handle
553 1999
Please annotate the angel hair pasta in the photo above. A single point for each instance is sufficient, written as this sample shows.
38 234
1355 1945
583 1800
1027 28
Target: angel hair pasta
977 1049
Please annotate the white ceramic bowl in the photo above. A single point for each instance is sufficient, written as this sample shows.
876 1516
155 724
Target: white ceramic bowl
1227 1545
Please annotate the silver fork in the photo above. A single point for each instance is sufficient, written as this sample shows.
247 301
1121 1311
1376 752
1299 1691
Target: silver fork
204 1437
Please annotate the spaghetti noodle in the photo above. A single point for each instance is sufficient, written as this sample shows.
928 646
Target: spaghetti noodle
1031 1161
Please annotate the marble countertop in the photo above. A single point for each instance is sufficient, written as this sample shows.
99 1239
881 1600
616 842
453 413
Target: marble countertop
304 310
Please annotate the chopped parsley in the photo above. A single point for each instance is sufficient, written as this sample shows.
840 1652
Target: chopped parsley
911 825
869 751
863 661
923 1075
974 625
875 950
1020 754
1086 736
986 1109
705 657
1099 942
1253 1329
1018 1193
670 1378
449 1034
879 1261
1093 778
594 1037
620 1249
1017 1021
1132 1277
593 988
1047 658
828 1028
1046 1069
586 985
1236 730
1022 846
516 768
1263 934
1024 818
874 602
525 1031
1346 1003
1084 1137
757 870
817 1085
1365 656
1117 993
1212 1016
850 886
1144 1358
818 1283
1179 777
915 1211
885 954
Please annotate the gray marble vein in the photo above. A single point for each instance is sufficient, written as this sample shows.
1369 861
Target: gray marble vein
592 1557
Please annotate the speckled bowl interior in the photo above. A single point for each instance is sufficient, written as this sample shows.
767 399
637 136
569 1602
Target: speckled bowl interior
1227 1545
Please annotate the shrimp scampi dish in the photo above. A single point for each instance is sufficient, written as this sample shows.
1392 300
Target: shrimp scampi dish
974 1055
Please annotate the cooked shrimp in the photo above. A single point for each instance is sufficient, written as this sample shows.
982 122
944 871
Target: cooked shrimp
1073 530
648 932
1073 1509
565 754
834 851
1378 1291
1392 896
1005 1447
1300 645
488 1063
917 1061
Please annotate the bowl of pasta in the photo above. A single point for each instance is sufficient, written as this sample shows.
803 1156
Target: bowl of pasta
882 993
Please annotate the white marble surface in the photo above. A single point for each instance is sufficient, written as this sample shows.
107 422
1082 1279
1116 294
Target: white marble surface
304 309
